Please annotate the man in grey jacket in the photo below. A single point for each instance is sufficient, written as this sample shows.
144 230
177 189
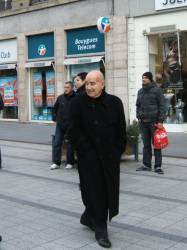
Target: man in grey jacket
150 111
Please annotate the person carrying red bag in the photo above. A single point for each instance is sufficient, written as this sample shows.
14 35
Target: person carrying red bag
150 111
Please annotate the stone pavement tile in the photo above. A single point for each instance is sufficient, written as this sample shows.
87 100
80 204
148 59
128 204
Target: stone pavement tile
7 246
131 220
76 240
178 246
155 243
137 247
52 246
22 244
128 236
156 223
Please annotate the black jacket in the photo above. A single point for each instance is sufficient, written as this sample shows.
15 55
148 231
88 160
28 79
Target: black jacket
61 110
1 103
98 133
150 104
81 90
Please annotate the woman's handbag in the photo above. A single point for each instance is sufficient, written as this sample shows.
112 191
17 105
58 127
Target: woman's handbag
160 138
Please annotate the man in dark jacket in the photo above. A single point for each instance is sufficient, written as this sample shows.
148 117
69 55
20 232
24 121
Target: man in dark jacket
80 83
1 108
98 134
61 117
150 111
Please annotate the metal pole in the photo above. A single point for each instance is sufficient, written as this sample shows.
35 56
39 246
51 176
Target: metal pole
178 43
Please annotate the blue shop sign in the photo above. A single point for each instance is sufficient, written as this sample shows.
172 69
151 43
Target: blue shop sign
85 41
41 46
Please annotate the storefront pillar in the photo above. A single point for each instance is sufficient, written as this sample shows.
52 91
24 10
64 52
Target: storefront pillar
59 67
116 60
23 80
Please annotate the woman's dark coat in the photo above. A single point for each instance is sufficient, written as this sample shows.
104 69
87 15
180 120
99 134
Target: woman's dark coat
98 133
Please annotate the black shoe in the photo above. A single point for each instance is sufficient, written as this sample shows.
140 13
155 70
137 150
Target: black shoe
0 238
104 242
86 222
159 171
144 168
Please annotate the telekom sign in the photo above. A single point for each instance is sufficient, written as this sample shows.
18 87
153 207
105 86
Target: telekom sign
168 4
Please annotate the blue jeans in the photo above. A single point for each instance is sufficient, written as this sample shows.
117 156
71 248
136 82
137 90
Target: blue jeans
57 147
147 130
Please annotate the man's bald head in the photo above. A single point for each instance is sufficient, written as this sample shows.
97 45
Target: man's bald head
94 83
97 74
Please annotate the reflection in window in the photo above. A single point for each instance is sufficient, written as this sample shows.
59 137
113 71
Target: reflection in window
168 62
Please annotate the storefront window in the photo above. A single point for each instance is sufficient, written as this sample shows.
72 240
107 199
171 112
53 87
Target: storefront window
8 89
43 93
168 62
75 69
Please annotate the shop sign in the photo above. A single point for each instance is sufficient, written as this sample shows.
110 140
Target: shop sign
85 41
168 4
41 46
8 51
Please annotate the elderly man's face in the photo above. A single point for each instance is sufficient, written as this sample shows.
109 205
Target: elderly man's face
94 84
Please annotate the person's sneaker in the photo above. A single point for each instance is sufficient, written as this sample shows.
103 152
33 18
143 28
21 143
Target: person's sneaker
54 166
143 168
159 171
69 166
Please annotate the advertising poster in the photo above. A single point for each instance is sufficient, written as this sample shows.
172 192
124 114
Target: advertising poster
50 82
8 89
37 89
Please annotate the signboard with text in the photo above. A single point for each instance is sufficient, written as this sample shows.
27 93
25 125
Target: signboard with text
85 41
8 51
168 4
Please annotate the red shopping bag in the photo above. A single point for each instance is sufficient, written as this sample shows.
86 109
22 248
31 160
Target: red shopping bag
160 139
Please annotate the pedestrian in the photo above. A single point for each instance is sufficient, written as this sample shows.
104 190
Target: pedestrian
61 117
98 134
150 111
1 108
80 83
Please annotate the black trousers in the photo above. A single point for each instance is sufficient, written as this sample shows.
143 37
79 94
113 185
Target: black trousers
147 130
57 147
94 194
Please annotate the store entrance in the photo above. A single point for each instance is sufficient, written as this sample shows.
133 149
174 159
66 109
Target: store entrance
168 62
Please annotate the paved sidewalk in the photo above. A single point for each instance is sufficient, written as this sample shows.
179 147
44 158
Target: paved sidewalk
40 208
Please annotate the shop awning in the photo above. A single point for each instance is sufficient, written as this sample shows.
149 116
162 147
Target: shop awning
82 60
38 64
7 66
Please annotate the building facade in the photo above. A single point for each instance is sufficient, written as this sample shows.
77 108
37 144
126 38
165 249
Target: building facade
157 42
45 43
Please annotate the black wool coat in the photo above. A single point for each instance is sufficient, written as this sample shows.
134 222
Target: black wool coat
98 134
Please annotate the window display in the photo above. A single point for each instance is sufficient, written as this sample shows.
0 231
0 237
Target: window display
8 89
168 62
43 93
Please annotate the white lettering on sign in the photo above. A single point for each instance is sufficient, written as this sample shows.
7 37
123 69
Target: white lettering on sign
86 44
4 54
8 51
168 4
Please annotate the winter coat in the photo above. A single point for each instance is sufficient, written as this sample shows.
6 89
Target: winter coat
81 90
150 104
98 134
61 110
1 103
